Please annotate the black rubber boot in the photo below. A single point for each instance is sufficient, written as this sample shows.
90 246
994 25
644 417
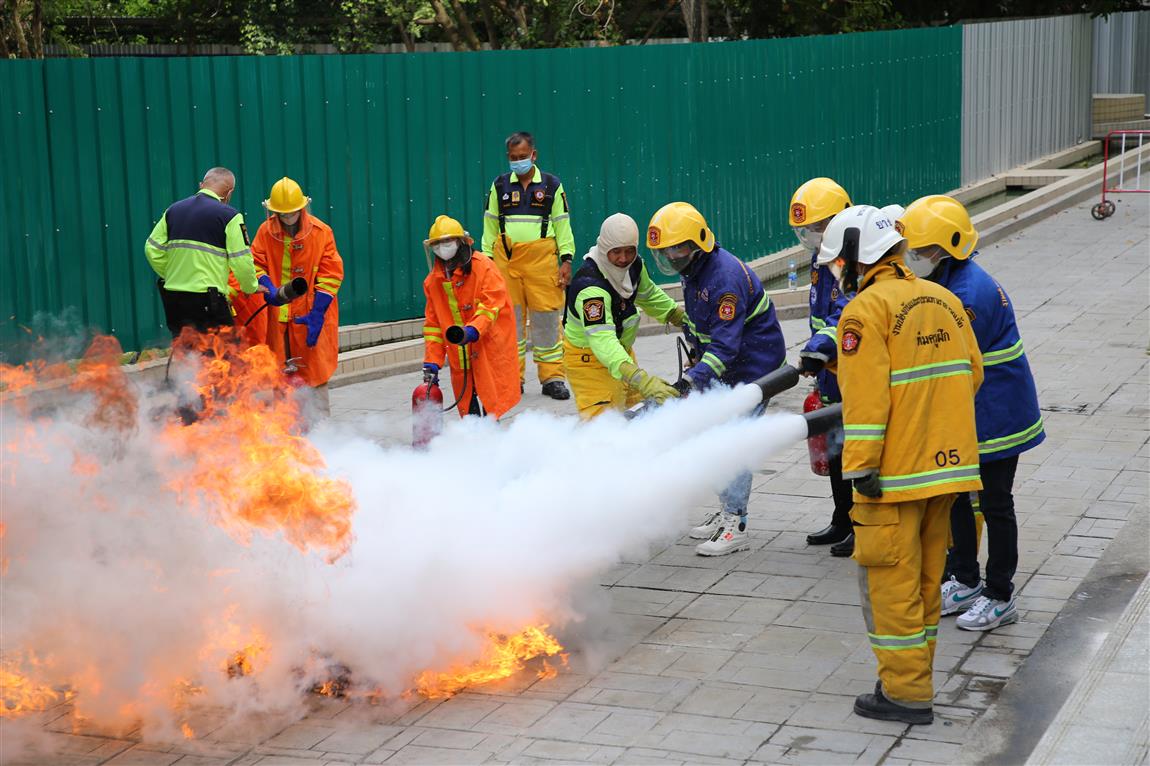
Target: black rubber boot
831 534
556 389
877 706
845 548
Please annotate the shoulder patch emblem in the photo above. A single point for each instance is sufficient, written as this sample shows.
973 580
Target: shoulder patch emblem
851 341
834 293
799 212
515 197
593 310
539 194
814 277
727 305
244 231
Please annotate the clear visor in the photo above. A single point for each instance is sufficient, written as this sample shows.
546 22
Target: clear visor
304 222
811 235
924 260
676 258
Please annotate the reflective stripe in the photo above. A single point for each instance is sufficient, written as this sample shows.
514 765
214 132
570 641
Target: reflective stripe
599 328
931 632
454 306
489 214
1013 440
522 218
561 217
714 363
328 284
185 244
929 371
929 478
764 304
866 432
481 309
913 641
1002 355
631 321
432 338
240 253
429 330
157 245
831 332
817 323
548 354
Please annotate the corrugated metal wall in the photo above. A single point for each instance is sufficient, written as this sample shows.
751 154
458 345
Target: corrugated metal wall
1122 53
94 150
1026 91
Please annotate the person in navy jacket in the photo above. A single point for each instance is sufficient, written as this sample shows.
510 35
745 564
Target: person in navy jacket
941 240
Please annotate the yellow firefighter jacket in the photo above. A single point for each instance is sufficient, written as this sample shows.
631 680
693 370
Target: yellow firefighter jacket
909 367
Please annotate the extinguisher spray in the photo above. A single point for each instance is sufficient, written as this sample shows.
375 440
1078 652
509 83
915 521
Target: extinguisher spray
817 445
426 413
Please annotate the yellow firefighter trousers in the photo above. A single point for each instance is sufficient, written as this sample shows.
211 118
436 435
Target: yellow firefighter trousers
532 277
594 388
901 551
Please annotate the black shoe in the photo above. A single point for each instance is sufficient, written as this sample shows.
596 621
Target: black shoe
831 534
877 706
845 548
556 389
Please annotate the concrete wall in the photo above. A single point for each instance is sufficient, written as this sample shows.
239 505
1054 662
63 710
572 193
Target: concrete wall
1026 91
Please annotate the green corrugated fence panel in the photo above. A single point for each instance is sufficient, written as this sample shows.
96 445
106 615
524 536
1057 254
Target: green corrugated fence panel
384 143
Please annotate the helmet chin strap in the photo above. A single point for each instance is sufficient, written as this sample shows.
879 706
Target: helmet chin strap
850 255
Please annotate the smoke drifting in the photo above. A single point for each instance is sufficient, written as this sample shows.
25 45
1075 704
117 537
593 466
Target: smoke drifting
118 584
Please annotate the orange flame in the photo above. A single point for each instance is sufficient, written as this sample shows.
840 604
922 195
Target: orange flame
187 731
19 693
501 658
249 463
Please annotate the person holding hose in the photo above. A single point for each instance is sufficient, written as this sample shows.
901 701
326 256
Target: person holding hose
293 243
813 205
599 328
909 367
468 322
942 241
736 336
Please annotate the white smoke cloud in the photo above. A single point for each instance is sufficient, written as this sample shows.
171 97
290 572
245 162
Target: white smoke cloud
493 527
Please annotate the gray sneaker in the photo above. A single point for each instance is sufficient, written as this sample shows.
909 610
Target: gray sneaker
956 597
987 614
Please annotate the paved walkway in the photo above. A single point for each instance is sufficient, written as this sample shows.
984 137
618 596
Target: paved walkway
756 657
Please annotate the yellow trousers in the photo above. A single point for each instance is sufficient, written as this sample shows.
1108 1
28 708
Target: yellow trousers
532 277
594 388
901 551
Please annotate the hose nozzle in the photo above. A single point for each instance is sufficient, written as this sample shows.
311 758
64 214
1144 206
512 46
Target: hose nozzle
292 290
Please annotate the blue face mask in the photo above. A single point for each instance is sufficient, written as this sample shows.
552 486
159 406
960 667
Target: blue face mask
520 167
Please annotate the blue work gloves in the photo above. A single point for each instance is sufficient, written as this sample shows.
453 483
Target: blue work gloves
271 297
869 485
430 373
461 336
314 318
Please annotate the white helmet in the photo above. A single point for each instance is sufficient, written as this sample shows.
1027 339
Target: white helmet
859 234
894 212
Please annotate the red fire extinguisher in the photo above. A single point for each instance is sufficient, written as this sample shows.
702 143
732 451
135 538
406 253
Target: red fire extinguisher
426 413
817 445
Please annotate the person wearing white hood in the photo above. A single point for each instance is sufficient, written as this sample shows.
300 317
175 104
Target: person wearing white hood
602 319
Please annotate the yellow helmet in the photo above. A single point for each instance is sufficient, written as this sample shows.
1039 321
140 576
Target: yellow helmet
446 227
817 199
939 220
676 223
286 197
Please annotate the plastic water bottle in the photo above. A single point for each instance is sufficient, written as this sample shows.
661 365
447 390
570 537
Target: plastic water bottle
792 276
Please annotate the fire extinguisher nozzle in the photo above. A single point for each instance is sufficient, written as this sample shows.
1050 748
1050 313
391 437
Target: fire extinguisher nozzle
824 419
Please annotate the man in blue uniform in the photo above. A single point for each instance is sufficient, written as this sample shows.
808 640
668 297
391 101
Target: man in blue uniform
941 241
813 205
732 326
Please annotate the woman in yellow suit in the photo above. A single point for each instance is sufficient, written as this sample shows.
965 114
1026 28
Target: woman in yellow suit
602 320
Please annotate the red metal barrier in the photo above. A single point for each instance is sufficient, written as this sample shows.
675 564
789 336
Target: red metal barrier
1105 208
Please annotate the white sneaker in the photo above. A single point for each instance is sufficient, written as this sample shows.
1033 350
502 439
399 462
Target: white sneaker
705 530
727 538
956 597
987 614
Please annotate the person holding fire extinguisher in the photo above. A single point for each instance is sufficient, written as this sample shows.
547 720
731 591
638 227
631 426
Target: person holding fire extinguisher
302 333
469 323
812 207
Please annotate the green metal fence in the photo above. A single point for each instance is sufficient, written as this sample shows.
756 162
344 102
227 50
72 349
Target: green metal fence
93 150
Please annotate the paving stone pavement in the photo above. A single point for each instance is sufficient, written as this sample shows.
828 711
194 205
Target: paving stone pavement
756 657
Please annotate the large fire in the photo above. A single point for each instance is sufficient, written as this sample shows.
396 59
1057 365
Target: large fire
230 448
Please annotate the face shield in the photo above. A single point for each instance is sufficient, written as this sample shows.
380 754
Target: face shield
811 235
924 260
445 249
302 225
674 260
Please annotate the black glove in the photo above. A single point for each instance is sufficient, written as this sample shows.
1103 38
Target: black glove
683 385
811 365
869 485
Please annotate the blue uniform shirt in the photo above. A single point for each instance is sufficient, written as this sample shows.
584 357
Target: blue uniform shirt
827 303
730 321
1006 406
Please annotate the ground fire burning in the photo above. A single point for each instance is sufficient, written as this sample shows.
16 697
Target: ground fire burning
192 546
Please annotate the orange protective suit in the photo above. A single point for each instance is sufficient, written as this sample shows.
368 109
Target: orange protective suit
478 299
310 254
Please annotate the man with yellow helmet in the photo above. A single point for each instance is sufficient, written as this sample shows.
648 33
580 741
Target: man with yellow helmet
736 336
294 243
812 207
942 241
468 322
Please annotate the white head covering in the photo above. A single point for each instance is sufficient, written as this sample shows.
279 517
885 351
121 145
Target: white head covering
619 230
